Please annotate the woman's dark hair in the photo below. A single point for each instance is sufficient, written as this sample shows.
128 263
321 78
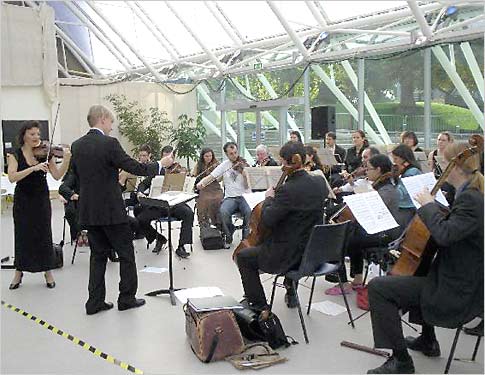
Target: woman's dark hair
448 135
381 161
167 150
297 133
291 148
409 134
309 150
146 148
27 125
362 135
200 162
405 153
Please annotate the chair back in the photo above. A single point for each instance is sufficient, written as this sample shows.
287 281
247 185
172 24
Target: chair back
326 244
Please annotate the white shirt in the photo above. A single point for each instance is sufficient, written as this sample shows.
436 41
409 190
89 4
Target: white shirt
234 181
359 185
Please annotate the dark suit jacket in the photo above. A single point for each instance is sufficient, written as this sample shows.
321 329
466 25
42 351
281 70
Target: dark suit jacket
69 186
291 215
96 160
453 293
340 151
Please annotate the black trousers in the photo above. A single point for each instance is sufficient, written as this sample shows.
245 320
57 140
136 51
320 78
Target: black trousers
101 240
247 262
183 212
72 216
388 295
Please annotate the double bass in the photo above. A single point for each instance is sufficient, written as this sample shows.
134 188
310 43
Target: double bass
257 232
417 247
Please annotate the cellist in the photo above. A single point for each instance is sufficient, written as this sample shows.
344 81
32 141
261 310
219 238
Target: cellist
451 294
290 212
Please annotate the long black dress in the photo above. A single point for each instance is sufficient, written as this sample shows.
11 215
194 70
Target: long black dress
32 221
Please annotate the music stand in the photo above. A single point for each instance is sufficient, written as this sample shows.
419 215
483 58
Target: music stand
168 201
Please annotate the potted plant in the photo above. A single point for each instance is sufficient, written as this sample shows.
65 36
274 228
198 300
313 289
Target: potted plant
188 138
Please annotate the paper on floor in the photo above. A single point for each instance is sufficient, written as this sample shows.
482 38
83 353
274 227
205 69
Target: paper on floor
154 269
329 308
199 292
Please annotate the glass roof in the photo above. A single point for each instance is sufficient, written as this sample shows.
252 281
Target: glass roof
170 40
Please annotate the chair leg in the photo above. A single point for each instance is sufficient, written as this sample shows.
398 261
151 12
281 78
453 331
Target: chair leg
64 230
273 292
311 295
302 319
75 248
477 345
366 273
452 351
346 302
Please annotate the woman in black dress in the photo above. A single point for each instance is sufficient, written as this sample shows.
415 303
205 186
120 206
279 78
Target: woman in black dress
353 158
32 208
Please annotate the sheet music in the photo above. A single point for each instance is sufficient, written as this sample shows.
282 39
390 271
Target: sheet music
156 186
198 292
273 175
327 157
252 199
257 178
175 197
371 212
416 184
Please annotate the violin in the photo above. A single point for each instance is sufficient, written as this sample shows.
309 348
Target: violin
44 151
210 167
175 168
239 164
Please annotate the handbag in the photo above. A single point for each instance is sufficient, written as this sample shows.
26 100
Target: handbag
213 335
58 254
254 328
256 356
211 238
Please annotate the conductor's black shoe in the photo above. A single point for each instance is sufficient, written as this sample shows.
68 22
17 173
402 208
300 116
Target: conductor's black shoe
429 349
181 252
137 302
475 331
113 257
161 241
393 366
103 307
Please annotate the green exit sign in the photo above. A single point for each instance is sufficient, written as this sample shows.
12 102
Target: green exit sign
258 66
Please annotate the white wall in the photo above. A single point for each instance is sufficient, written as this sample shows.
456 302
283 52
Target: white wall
75 102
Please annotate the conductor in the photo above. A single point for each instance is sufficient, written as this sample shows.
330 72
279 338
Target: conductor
96 161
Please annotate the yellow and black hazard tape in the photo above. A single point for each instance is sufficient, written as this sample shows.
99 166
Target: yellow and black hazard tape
74 339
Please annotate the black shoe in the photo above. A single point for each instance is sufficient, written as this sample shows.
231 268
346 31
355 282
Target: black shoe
113 257
229 239
291 300
393 366
16 285
161 241
103 307
331 278
475 331
50 285
429 349
137 302
139 236
181 252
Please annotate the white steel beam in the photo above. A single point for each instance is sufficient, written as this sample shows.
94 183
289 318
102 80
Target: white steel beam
322 11
220 19
128 44
473 65
107 43
460 86
63 70
209 53
345 102
236 31
316 13
368 103
459 24
293 35
262 78
423 24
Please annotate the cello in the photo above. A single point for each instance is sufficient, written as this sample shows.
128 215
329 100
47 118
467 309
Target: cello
257 232
416 245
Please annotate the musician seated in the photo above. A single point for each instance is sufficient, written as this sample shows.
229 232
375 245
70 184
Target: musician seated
128 182
145 214
339 152
235 185
264 159
312 162
69 195
407 165
290 212
379 173
209 199
451 294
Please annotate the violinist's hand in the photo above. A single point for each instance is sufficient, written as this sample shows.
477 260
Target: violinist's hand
167 161
62 199
43 167
424 197
199 186
269 192
140 195
67 153
336 190
75 197
345 175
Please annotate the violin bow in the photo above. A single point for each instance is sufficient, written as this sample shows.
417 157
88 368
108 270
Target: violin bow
51 140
